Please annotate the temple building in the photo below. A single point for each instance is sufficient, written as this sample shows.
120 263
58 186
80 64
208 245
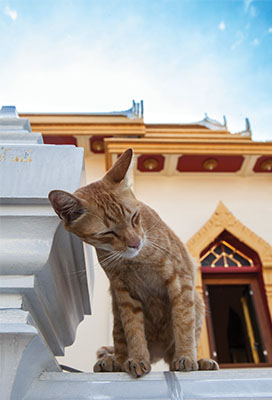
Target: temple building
214 189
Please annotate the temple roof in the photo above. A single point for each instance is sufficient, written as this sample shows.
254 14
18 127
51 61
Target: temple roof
113 132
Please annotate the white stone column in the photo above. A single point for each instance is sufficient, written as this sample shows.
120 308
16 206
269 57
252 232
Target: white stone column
44 289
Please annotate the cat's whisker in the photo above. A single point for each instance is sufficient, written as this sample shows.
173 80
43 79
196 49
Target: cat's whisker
113 257
162 249
119 256
74 275
112 262
155 245
109 258
106 259
81 272
153 226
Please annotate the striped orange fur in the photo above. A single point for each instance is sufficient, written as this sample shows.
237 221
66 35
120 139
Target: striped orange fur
157 311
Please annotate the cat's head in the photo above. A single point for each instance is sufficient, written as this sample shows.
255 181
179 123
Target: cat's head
105 213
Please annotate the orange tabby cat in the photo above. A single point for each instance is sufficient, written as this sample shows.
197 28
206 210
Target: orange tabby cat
157 311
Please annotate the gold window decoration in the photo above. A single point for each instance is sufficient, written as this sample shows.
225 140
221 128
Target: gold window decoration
225 255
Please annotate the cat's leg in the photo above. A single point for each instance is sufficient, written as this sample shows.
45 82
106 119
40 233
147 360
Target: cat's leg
131 314
203 363
106 360
111 359
199 314
169 355
119 338
181 295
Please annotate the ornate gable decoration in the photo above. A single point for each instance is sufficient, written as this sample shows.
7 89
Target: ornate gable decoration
222 219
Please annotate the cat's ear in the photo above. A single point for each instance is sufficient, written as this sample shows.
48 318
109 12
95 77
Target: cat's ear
66 205
120 170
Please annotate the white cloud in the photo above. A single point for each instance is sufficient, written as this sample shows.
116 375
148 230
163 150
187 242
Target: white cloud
250 9
247 4
256 42
11 13
270 30
253 11
222 26
239 40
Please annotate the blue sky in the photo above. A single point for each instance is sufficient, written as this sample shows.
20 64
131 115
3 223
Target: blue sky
183 58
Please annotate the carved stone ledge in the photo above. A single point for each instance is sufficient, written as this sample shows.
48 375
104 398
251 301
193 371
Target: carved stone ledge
22 349
44 287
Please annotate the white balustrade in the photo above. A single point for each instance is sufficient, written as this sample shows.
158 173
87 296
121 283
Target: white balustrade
44 290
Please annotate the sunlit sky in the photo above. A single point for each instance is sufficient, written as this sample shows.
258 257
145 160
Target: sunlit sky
184 58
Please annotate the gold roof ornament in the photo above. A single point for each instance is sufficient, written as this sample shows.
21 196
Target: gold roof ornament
266 165
210 164
151 164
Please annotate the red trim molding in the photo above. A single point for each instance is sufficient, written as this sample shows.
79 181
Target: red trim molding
150 163
59 139
196 163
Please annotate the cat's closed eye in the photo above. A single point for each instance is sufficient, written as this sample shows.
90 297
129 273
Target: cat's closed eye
108 233
135 218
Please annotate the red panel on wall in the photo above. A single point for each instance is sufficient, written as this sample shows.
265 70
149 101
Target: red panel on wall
263 164
150 163
59 139
97 143
195 163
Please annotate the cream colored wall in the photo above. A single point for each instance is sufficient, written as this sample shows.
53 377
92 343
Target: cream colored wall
185 203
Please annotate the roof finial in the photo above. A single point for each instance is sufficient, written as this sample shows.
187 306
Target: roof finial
248 128
247 131
225 121
142 109
137 110
213 124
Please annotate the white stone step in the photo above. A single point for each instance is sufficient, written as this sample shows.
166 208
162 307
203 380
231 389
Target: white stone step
205 385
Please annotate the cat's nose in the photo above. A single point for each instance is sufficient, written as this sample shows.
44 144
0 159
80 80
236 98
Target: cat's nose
134 243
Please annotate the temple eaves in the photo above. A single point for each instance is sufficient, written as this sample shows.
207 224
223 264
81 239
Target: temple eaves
135 112
212 124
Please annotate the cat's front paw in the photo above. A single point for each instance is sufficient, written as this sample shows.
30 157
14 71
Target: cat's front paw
136 368
207 364
184 364
107 363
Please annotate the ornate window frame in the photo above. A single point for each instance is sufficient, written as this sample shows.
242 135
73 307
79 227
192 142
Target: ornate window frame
222 219
228 255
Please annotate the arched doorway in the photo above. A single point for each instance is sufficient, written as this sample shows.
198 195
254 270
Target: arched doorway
223 220
238 322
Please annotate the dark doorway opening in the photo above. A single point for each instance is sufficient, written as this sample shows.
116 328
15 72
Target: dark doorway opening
236 330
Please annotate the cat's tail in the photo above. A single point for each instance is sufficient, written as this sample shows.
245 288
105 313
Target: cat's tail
104 351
